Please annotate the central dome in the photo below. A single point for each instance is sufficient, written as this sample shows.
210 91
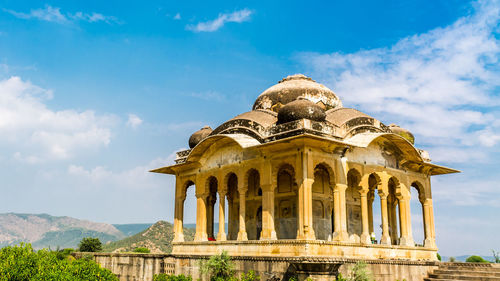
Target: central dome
291 88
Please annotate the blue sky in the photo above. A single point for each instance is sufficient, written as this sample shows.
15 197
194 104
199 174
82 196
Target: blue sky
95 93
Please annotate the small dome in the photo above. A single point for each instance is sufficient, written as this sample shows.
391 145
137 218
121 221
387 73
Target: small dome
198 136
301 109
292 87
402 132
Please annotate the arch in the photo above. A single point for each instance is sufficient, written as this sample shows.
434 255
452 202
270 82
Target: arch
374 207
330 171
322 202
285 199
353 203
233 206
418 218
393 212
253 201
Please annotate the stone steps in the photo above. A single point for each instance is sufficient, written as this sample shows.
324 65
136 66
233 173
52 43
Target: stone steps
465 272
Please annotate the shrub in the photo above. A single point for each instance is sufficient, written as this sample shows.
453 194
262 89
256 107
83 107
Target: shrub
89 244
496 256
475 259
250 276
438 256
219 267
360 272
142 250
22 263
166 277
340 278
452 259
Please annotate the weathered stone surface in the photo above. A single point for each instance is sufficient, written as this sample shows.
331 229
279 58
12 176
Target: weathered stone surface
198 136
301 109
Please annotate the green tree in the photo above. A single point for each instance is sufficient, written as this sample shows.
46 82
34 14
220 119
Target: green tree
219 267
89 244
141 250
21 263
475 259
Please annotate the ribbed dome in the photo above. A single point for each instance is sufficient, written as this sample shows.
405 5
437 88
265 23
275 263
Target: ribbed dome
301 109
292 87
402 132
199 136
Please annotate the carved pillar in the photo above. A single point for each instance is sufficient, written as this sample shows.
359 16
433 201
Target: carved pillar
371 198
430 238
406 238
221 236
392 203
365 235
179 211
268 232
385 239
305 169
242 233
340 216
201 217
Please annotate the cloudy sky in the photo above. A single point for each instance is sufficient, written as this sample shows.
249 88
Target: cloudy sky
94 94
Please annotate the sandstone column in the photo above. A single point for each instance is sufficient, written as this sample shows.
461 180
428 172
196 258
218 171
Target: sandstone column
406 238
179 212
201 217
221 236
268 232
365 235
340 216
385 239
305 167
242 233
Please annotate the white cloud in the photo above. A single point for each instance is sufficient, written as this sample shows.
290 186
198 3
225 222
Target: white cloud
442 85
135 178
35 133
177 16
134 121
214 25
53 14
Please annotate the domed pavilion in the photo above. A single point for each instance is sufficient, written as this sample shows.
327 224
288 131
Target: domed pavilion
301 175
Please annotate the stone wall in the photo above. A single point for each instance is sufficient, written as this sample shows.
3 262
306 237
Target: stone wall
142 267
133 266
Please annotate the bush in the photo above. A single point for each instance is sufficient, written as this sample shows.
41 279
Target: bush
475 259
22 263
250 276
496 256
219 267
452 259
360 272
89 244
438 256
166 277
141 250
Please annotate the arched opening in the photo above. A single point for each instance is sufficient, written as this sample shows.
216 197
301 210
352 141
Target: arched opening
393 211
189 210
253 213
322 201
286 203
212 209
417 213
233 202
374 210
353 205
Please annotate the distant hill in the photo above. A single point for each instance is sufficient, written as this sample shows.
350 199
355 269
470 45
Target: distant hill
464 257
157 238
132 228
45 231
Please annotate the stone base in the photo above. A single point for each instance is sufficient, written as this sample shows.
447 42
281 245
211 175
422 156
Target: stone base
305 248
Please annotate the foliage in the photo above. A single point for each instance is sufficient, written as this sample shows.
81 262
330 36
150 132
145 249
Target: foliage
452 259
250 276
360 272
21 263
438 256
89 244
475 259
142 250
496 256
340 278
219 267
293 278
166 277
